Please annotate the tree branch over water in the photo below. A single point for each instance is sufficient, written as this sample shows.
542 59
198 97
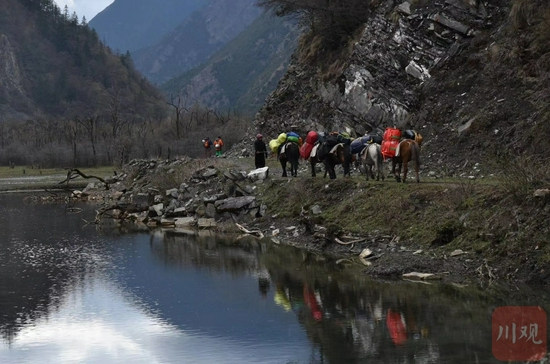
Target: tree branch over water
75 172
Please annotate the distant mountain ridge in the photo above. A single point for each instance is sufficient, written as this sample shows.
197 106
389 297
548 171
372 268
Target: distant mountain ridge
245 71
227 54
195 39
129 25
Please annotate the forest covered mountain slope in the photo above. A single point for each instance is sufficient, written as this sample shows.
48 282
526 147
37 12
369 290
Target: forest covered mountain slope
51 64
245 71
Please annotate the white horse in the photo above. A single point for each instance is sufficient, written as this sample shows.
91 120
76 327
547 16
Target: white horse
371 157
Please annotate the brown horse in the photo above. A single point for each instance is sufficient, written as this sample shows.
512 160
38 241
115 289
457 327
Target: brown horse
290 153
408 150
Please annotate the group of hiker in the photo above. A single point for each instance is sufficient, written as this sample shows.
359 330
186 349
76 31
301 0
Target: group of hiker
217 144
313 137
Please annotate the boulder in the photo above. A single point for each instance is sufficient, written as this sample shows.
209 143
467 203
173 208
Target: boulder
158 208
259 174
234 203
141 199
210 172
172 192
206 223
184 221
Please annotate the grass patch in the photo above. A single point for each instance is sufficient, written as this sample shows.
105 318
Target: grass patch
472 215
22 171
26 178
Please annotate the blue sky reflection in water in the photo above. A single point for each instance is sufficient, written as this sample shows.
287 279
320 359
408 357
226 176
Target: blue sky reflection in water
71 293
135 308
97 323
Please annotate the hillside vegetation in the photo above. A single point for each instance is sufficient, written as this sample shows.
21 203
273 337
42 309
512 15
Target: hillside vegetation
60 66
245 71
68 100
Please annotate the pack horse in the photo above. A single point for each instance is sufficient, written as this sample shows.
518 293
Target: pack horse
402 152
290 153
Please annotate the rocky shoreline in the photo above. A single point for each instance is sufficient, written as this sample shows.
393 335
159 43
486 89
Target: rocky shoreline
221 197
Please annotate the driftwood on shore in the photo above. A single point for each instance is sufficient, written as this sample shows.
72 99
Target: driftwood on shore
75 172
255 232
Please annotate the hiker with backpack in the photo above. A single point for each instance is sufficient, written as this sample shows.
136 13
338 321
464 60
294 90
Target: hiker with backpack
218 144
207 143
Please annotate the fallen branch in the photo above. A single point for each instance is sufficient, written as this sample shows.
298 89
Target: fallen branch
349 242
75 172
374 257
250 232
421 276
490 274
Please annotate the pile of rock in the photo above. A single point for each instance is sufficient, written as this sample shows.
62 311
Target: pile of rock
208 197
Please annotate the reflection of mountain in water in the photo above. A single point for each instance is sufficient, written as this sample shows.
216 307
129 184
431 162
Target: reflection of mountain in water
348 317
244 292
181 281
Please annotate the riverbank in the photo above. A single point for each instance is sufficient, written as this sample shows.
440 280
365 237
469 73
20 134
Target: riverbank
30 179
451 230
457 231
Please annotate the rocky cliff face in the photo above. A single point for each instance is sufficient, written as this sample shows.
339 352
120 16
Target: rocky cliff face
12 92
431 67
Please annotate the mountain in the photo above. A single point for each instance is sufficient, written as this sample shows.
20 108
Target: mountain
245 71
66 99
51 65
471 77
227 54
128 25
195 39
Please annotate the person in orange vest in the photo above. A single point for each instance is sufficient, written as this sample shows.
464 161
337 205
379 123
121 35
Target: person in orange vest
207 143
218 144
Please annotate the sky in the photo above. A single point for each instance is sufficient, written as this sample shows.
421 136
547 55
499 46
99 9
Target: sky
87 8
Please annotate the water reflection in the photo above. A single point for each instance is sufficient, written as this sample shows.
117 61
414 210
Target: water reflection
75 293
349 318
88 325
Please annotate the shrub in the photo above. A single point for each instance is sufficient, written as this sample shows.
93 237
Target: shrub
521 175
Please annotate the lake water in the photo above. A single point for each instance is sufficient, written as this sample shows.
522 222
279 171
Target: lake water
73 292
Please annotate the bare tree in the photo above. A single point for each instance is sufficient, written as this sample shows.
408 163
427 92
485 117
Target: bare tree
71 135
90 124
331 19
115 106
179 104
